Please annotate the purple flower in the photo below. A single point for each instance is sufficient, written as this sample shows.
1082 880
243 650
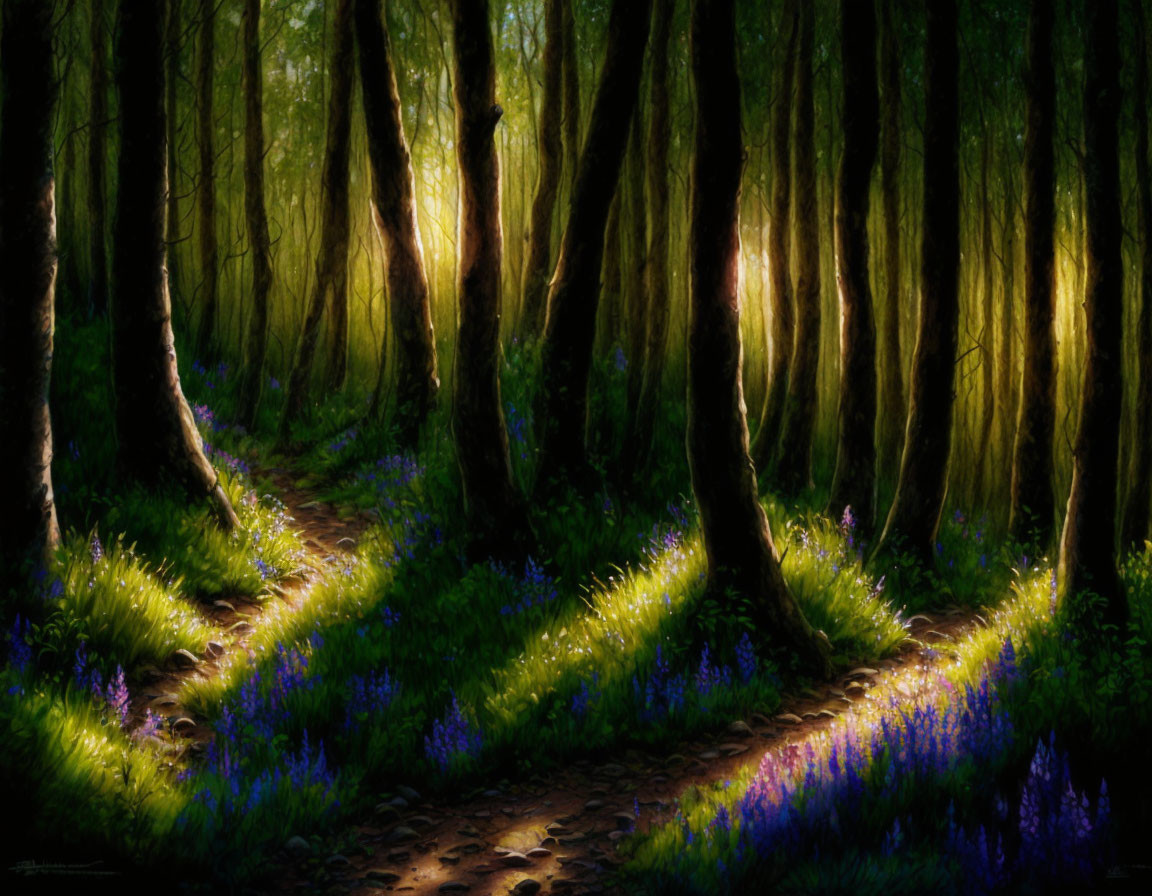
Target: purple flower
745 657
453 740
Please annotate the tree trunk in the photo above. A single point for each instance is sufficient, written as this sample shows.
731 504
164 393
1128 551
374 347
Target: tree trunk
155 430
742 557
394 204
29 533
1135 529
97 147
538 259
1033 514
891 423
854 482
206 182
611 279
915 514
259 244
571 76
332 256
1088 544
984 463
636 328
656 269
496 513
172 51
570 329
794 464
782 319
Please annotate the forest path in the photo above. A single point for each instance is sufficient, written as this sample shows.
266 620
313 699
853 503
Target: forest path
558 832
327 533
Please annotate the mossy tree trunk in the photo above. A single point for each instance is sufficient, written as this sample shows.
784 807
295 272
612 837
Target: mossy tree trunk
97 160
206 181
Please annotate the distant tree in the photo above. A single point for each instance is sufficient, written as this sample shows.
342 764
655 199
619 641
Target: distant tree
1135 529
97 160
255 214
782 311
28 529
570 329
1033 511
206 179
155 431
914 517
538 258
1088 543
742 557
854 482
172 58
570 67
496 511
332 256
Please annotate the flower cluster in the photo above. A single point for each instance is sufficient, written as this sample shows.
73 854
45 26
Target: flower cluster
112 695
368 694
452 740
745 658
517 424
389 476
343 441
662 693
586 697
710 676
535 588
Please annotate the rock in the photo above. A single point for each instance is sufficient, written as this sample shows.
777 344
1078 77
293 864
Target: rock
790 717
399 855
386 813
556 829
624 820
538 852
593 805
854 688
449 860
836 692
710 754
740 729
733 749
613 770
826 713
920 617
527 887
515 860
297 847
483 813
337 861
570 839
223 605
165 700
240 627
454 886
468 831
398 802
184 725
617 835
413 796
381 875
185 659
419 822
863 672
808 716
492 793
401 834
214 648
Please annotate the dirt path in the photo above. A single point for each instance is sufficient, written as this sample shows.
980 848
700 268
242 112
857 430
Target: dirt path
559 833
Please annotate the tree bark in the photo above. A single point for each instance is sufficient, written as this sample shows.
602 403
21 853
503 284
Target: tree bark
1088 543
206 182
782 318
256 216
332 256
1135 529
794 464
538 259
172 52
97 167
915 514
854 482
571 76
29 533
984 463
636 292
742 557
394 204
1033 513
496 512
570 329
891 404
156 434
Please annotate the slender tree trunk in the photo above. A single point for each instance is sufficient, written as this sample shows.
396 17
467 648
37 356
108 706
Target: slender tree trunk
1007 387
571 76
1088 544
1135 529
337 374
742 557
611 278
984 463
155 430
637 294
1033 514
854 483
538 259
332 256
570 329
794 464
206 183
656 269
496 512
782 319
891 424
259 243
97 147
172 51
394 204
915 514
29 532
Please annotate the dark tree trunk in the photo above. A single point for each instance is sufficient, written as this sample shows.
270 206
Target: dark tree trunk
1007 387
259 244
206 182
794 464
1088 544
742 557
496 512
538 259
611 279
891 422
394 203
28 530
156 434
571 77
570 329
338 330
1033 514
172 51
636 291
915 514
782 314
854 483
984 473
1135 529
332 256
656 269
97 147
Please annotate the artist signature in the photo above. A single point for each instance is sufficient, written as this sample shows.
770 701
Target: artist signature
60 869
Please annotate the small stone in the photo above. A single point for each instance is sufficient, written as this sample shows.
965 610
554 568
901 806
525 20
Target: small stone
401 834
449 860
420 821
467 849
617 835
223 605
399 855
398 802
183 725
740 729
214 648
593 805
790 717
239 627
383 875
185 659
556 829
835 692
863 672
454 886
386 813
413 796
527 887
613 770
468 831
808 716
298 847
733 749
826 713
337 861
710 754
538 852
570 839
514 860
854 688
165 700
483 813
624 820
